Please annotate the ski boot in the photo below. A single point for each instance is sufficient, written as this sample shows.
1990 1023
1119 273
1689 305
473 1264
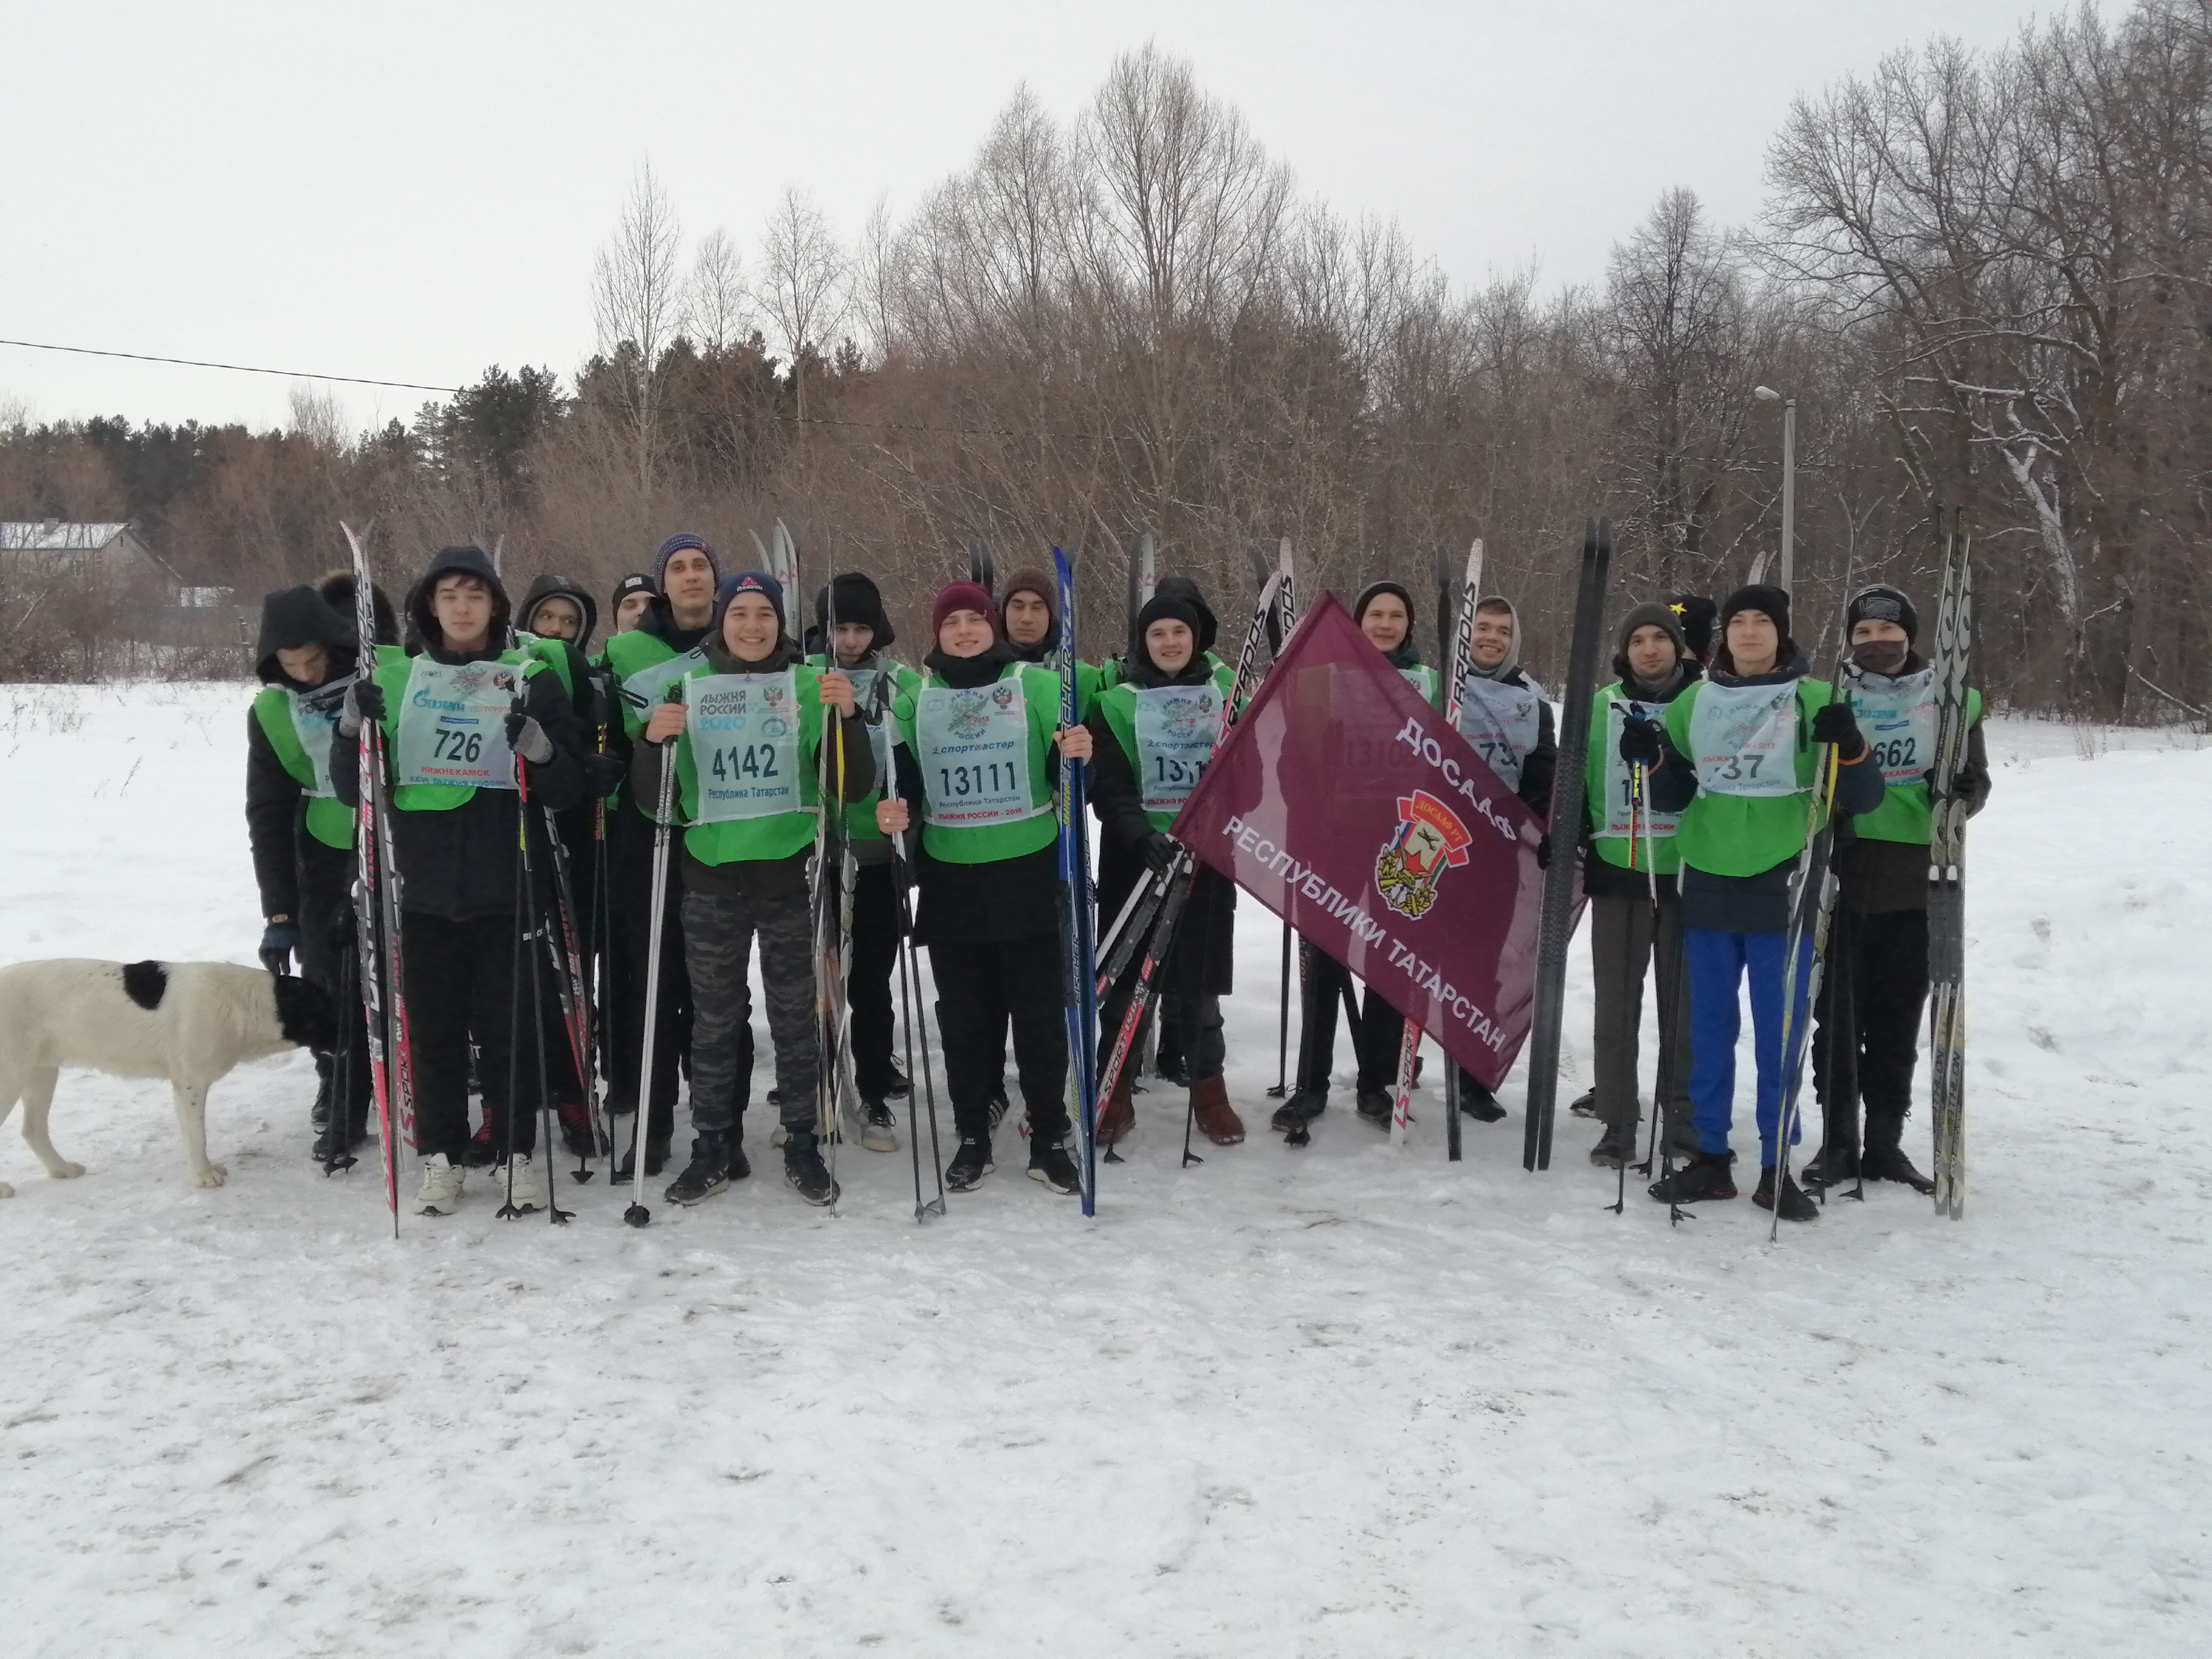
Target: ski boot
1795 1205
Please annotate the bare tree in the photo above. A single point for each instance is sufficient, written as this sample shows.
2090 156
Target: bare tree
637 304
802 287
717 310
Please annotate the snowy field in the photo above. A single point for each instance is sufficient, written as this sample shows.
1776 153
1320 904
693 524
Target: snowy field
1341 1402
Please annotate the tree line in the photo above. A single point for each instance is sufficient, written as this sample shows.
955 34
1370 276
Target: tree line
1984 279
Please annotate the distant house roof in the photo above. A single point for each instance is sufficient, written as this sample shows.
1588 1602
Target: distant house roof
55 536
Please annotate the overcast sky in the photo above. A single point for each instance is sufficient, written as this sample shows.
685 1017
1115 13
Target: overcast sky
413 192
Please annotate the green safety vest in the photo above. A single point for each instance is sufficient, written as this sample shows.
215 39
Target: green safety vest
1903 813
1659 853
990 843
393 665
861 815
628 657
330 820
779 834
1746 834
1118 703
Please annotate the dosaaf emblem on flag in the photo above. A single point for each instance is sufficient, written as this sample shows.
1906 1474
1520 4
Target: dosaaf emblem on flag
1429 840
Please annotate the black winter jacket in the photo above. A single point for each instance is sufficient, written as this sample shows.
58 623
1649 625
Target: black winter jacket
461 863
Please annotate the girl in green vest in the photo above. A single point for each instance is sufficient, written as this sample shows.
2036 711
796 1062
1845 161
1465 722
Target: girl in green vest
301 835
459 719
744 730
1631 855
1868 1036
976 762
1154 731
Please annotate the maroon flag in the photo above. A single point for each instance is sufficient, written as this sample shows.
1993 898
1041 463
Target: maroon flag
1345 805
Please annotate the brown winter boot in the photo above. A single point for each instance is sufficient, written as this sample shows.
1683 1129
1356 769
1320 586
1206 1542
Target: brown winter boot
1119 1115
1216 1119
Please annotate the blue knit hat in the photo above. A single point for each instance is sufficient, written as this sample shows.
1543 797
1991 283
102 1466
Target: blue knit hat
672 546
748 581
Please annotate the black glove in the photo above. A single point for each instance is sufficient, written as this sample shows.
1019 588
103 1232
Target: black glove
527 739
1640 744
603 774
364 703
1835 723
278 941
1543 852
1159 851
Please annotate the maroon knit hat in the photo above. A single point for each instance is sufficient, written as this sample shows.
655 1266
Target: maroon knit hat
962 596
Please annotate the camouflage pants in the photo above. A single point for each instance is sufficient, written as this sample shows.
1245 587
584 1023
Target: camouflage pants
718 941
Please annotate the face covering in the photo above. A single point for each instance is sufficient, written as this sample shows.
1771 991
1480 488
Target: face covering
1883 656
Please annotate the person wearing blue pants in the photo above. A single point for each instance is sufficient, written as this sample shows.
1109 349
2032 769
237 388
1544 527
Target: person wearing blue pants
1736 755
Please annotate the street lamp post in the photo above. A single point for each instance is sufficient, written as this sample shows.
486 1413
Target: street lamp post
1768 394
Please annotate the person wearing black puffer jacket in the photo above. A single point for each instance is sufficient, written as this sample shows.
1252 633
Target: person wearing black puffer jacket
302 836
459 719
1153 734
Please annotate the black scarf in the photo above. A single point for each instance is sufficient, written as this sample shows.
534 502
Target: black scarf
966 673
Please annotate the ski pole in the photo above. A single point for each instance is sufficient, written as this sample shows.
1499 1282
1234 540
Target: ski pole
637 1215
909 1000
555 1215
1283 1023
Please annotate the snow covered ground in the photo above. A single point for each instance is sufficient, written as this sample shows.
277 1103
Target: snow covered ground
1341 1402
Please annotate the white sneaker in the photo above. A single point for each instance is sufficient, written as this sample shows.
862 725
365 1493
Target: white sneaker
518 1183
441 1186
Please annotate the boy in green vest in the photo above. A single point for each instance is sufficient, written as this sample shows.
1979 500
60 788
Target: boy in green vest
461 718
745 732
642 662
301 835
1632 857
1868 1036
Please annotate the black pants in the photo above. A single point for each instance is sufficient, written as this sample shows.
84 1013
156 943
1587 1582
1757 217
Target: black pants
1375 1044
1622 946
328 960
460 983
630 903
1866 1031
979 985
875 951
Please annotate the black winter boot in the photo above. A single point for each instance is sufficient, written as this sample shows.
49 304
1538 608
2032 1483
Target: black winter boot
1884 1158
803 1169
707 1174
1055 1168
970 1163
1376 1107
1585 1104
1476 1101
1300 1110
319 1115
1795 1206
1832 1166
1706 1175
1616 1146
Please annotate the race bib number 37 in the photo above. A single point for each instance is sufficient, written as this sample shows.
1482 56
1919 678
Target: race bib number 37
1743 738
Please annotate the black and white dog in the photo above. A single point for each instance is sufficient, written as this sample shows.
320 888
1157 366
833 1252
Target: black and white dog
189 1022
